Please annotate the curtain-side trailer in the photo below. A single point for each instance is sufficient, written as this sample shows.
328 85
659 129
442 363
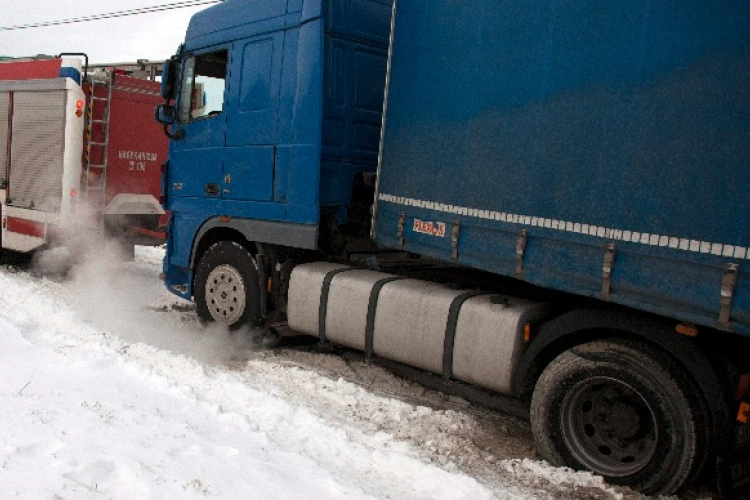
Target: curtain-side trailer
559 206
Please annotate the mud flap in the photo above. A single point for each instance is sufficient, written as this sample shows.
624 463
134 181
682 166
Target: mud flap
733 474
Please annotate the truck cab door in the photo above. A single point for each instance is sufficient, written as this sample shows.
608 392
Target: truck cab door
252 118
201 120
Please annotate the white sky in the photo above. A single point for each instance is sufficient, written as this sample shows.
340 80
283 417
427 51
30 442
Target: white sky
145 36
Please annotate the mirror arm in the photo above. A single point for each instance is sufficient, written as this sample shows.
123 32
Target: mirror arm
177 136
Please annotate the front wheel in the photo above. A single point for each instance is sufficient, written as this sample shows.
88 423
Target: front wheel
621 411
227 288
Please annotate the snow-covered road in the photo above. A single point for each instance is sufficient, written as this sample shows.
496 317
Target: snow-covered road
110 388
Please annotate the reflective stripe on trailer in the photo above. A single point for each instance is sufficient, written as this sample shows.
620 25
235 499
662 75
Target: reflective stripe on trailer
25 226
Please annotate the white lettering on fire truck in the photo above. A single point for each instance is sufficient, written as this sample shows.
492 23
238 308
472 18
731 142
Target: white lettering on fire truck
137 155
137 159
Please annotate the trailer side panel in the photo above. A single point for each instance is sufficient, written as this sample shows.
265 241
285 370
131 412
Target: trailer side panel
595 148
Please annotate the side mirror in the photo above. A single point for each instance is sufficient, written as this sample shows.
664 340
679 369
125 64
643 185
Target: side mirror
168 78
165 114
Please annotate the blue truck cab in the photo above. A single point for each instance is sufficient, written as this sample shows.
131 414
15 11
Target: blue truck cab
279 109
545 200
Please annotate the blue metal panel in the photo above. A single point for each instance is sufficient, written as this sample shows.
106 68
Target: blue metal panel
199 156
585 123
250 173
268 137
281 110
252 117
354 81
237 19
356 37
274 159
254 90
300 127
367 21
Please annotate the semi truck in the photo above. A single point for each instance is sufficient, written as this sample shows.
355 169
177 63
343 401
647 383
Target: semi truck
541 200
79 152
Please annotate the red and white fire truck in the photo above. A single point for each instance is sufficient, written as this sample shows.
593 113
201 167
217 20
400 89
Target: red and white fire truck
79 151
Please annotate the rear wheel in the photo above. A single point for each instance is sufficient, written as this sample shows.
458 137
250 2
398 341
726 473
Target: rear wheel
227 289
622 411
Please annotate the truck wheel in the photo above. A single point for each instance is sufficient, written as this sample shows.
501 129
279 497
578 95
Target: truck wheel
226 286
623 412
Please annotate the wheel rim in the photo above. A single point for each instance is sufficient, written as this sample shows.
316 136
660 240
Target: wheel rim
225 294
609 427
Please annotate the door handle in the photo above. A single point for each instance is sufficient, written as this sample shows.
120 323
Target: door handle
212 189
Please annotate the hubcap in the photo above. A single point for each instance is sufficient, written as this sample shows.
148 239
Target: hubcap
609 427
225 294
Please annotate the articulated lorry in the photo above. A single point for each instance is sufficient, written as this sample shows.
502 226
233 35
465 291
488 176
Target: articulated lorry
79 151
543 200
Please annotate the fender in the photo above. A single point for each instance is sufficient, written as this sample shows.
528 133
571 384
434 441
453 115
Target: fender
259 232
288 234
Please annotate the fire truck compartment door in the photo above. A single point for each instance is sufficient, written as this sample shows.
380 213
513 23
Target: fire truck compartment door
4 129
36 170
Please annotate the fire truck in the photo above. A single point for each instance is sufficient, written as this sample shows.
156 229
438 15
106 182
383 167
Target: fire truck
79 152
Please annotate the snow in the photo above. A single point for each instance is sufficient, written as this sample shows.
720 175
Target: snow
110 388
78 423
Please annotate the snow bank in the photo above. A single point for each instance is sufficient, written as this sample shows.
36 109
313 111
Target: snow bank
111 389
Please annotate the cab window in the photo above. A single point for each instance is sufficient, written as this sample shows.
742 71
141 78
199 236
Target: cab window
203 82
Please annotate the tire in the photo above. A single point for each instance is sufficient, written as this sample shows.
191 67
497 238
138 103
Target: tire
227 288
624 412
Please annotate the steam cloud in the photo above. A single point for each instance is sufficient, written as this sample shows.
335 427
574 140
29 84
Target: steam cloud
127 299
